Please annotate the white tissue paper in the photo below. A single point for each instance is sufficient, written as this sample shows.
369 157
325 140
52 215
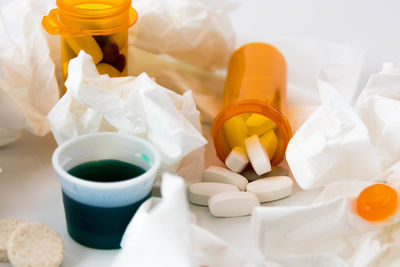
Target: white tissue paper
379 107
162 234
28 86
138 106
339 142
333 144
326 233
207 86
198 32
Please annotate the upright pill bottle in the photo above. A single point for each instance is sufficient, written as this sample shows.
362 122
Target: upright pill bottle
255 84
99 27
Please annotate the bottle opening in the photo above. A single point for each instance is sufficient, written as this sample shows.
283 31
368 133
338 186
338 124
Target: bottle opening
245 119
92 8
90 17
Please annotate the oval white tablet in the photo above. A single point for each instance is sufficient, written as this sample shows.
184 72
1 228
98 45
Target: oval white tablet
222 175
199 193
237 159
232 204
257 155
251 175
271 188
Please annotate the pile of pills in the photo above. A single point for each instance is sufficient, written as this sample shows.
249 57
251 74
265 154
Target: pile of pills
253 139
230 194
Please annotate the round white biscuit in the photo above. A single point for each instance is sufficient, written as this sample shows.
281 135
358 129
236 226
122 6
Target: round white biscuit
35 244
7 227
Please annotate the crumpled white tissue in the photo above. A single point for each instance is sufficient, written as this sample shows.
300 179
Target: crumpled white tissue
198 32
207 86
326 233
138 106
161 234
28 86
339 142
333 144
379 107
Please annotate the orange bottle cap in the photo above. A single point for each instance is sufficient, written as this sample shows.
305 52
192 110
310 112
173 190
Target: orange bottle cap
99 17
377 202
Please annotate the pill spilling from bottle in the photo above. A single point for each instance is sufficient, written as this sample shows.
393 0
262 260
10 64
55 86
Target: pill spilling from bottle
252 138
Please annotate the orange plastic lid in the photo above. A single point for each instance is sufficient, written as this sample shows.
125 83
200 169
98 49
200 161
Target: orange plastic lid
90 17
377 202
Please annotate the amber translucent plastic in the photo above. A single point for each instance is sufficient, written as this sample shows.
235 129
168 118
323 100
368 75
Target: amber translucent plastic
377 202
255 83
99 27
89 17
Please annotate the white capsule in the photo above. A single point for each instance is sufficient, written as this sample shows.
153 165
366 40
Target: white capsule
237 159
199 193
232 204
251 175
271 188
222 175
257 155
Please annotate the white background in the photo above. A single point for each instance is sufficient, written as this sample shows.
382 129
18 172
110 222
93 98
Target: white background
28 185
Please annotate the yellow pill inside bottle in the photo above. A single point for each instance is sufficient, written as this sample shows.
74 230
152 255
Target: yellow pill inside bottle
258 124
269 140
235 131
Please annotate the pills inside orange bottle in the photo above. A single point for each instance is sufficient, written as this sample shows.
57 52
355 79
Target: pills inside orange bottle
377 202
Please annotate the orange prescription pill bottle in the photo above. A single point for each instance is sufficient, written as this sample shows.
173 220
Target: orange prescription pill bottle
99 27
255 84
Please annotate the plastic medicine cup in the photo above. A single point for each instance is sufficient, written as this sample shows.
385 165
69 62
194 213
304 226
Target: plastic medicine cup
255 83
99 27
97 213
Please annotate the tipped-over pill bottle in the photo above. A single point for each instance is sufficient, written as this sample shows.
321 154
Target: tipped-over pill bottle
255 85
99 27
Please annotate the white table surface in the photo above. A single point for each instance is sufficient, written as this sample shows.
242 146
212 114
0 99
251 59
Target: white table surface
30 190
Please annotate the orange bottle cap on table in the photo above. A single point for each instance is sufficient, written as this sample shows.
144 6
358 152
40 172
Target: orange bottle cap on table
377 202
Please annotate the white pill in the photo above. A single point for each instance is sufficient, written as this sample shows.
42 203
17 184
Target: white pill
271 188
251 175
237 159
232 204
257 154
222 175
199 193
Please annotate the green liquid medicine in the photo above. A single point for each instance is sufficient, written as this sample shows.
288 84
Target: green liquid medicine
100 227
106 170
